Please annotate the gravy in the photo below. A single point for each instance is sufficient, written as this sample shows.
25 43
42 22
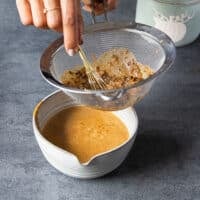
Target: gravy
85 132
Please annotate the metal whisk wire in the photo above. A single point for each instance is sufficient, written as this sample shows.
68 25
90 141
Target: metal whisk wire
94 79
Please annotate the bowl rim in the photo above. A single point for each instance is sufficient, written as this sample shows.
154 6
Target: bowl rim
38 133
158 36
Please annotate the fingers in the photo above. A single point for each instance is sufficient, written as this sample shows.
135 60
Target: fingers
98 6
32 13
112 4
24 10
61 15
54 18
70 20
97 9
39 18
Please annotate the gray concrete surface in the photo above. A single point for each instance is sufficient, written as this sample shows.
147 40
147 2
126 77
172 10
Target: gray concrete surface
164 162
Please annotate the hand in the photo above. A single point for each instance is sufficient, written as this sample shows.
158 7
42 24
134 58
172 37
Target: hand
62 16
98 6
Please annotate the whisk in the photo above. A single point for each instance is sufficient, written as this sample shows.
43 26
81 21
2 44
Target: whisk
94 79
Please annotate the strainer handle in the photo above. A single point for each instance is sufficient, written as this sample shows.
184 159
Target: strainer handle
93 15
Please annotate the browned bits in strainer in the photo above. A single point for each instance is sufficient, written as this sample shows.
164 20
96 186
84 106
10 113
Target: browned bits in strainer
117 67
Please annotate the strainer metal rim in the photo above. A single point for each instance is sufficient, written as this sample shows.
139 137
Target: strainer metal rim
165 42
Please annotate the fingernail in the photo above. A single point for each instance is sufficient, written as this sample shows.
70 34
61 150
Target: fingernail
71 52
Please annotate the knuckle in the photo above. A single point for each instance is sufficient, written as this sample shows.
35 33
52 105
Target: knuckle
55 23
26 21
39 23
69 21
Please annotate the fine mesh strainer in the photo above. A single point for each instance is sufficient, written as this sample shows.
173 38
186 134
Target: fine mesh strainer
150 46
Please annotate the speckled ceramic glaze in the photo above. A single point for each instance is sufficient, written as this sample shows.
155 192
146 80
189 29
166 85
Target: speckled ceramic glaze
68 163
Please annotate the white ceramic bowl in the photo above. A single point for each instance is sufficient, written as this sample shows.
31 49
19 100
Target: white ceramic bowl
68 163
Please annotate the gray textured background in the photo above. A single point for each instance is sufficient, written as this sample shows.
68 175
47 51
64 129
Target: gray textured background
165 161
